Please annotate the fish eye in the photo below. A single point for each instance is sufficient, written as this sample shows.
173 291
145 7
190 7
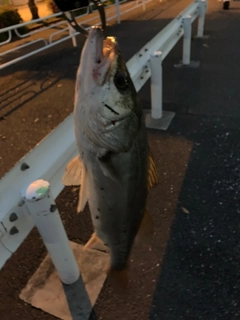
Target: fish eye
121 80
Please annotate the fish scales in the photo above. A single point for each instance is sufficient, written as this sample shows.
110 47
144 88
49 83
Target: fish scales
115 167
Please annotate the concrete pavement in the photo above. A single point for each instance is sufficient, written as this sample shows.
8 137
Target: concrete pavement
191 269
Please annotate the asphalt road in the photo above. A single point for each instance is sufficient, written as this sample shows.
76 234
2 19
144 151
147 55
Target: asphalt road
191 269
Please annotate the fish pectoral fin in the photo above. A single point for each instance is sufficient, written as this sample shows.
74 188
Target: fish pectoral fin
73 173
118 279
107 167
94 238
83 191
152 172
146 228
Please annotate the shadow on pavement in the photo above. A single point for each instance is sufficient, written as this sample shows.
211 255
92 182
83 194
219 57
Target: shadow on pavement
78 300
199 277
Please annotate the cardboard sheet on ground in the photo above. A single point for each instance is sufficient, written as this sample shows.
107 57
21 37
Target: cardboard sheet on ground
45 291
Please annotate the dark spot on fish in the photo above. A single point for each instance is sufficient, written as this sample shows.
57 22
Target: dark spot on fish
99 61
111 109
114 122
98 209
101 188
97 217
110 209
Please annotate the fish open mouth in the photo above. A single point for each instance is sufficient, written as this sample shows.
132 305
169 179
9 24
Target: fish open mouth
105 50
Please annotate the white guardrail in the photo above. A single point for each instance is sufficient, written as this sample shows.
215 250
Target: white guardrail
49 158
112 12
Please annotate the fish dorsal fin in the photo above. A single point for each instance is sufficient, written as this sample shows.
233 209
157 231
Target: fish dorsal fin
146 228
152 172
83 192
73 173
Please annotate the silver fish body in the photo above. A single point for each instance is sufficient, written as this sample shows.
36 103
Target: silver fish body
113 147
117 205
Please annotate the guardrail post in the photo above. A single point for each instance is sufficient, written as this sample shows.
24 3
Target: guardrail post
156 84
117 11
72 32
157 118
201 19
42 207
187 26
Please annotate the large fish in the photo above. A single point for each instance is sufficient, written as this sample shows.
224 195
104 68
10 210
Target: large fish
114 167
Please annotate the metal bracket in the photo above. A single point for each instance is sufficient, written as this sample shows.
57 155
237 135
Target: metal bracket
72 21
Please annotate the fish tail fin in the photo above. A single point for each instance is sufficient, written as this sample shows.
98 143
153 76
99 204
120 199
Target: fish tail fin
118 279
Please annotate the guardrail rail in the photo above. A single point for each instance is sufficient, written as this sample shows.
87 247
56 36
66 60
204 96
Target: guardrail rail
113 11
49 158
